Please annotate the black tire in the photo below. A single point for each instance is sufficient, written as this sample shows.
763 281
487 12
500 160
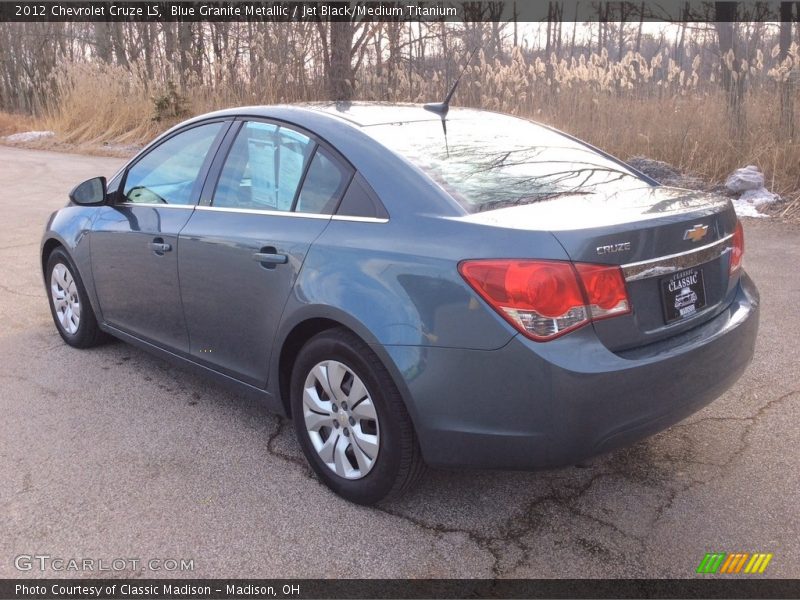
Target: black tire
88 333
398 464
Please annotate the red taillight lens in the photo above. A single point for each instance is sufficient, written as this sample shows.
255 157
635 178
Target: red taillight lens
605 290
548 288
737 252
545 299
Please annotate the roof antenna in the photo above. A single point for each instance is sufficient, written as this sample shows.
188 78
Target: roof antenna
442 108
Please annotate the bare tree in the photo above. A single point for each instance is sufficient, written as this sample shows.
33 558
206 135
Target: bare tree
555 17
638 46
343 41
786 86
732 78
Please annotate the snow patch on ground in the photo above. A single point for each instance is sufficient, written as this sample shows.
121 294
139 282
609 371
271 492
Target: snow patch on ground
748 184
121 150
745 186
747 204
743 209
28 136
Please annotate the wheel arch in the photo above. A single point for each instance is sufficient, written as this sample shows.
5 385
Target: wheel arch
311 322
48 246
78 253
290 348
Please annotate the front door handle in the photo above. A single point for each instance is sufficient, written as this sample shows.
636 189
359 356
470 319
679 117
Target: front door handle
159 247
269 257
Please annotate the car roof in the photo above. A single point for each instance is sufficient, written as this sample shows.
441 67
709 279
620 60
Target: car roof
366 114
359 114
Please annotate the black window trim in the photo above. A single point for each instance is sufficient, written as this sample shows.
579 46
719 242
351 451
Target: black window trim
302 182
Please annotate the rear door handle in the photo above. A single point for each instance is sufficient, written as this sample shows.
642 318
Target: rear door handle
159 247
269 257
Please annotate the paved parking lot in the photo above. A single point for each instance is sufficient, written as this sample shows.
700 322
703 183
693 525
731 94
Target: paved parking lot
109 453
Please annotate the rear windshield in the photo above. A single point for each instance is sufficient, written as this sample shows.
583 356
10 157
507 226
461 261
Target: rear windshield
496 161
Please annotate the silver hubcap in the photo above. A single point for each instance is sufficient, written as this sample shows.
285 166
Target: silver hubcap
65 298
340 419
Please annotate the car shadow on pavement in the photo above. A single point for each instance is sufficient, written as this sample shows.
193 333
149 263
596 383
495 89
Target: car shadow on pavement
605 509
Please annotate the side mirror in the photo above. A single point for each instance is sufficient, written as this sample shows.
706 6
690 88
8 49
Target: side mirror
91 191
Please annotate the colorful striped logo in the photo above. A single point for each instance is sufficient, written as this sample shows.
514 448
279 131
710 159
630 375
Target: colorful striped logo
736 562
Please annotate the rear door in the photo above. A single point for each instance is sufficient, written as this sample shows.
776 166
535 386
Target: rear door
134 242
241 251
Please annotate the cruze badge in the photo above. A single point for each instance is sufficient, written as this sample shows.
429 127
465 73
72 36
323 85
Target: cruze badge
612 248
696 233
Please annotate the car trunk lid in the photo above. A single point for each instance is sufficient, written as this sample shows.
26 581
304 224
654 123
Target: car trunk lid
673 246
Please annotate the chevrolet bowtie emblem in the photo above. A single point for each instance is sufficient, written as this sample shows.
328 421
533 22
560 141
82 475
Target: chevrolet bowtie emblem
696 233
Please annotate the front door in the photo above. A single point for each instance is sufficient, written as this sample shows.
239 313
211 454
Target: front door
134 242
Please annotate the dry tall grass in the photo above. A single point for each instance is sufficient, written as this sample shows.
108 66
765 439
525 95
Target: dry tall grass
100 103
628 107
14 123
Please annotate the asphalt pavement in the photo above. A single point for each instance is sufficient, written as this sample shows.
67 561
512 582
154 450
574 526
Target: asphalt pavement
110 453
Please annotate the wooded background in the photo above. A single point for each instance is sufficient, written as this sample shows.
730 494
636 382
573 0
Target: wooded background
705 97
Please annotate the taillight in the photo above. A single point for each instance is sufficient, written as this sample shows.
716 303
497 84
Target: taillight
545 298
737 252
605 290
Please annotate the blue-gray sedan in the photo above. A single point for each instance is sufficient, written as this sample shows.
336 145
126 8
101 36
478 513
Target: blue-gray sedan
479 291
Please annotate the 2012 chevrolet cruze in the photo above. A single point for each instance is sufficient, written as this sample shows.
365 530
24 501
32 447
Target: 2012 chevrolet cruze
482 291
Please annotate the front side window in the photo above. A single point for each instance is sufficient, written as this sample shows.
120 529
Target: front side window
264 168
167 174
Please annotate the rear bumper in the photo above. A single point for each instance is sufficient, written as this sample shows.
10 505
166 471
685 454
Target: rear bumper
530 405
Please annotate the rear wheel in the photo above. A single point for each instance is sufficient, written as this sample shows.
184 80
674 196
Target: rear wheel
69 303
351 421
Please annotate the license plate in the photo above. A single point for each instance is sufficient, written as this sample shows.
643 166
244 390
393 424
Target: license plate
683 294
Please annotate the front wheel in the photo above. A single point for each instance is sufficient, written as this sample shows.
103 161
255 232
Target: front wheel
351 421
69 303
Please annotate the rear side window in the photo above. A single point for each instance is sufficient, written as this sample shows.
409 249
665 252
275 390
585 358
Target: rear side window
324 184
274 168
264 168
167 174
